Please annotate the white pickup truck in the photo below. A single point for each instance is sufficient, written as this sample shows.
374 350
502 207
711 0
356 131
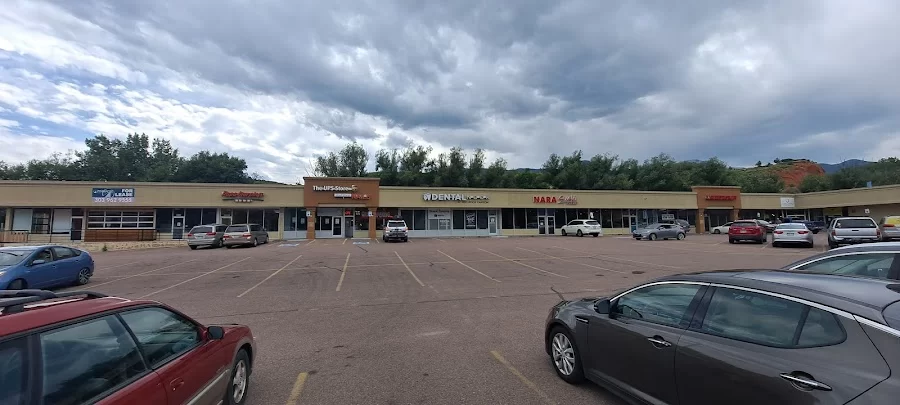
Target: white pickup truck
853 230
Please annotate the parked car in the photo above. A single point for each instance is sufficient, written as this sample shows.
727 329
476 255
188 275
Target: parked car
875 260
581 227
735 337
45 266
890 227
812 226
853 230
207 235
769 227
86 348
721 228
395 229
792 233
659 231
684 224
750 229
245 235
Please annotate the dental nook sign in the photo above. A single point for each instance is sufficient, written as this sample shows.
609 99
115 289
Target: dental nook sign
242 196
552 199
456 197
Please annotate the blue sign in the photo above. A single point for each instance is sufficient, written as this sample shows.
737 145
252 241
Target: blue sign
113 195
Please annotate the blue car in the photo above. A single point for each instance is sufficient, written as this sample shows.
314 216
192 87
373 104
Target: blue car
44 267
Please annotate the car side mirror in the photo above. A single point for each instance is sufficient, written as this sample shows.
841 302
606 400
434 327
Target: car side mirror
602 306
37 262
215 332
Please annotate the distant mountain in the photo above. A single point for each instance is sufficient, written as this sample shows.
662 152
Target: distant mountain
834 168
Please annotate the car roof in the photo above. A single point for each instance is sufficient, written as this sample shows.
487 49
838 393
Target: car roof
28 247
877 247
50 312
865 297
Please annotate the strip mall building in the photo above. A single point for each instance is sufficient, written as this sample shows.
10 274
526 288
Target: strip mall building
36 211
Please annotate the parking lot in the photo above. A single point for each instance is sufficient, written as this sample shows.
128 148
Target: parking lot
431 321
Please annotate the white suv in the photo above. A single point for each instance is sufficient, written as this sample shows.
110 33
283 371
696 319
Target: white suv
395 229
581 227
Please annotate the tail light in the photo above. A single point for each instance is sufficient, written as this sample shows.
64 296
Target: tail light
833 232
781 232
800 232
226 236
190 235
888 225
210 234
247 235
878 232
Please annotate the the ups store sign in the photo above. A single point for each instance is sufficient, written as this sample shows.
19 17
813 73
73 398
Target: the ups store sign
344 191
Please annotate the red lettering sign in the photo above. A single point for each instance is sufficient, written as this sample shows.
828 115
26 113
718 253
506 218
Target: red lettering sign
552 199
721 197
360 197
241 194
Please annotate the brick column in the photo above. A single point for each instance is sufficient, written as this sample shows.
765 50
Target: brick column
735 214
701 221
373 220
7 225
311 224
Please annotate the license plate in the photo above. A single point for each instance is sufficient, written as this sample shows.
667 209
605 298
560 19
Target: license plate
791 234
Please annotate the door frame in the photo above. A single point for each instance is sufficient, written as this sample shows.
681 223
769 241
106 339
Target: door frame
492 221
339 229
180 229
76 234
632 222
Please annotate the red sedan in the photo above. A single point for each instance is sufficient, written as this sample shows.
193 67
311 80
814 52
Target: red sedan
83 347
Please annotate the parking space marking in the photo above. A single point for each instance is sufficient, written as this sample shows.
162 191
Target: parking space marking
294 399
409 269
572 261
344 242
343 273
142 273
270 276
467 266
618 258
193 278
311 242
377 241
544 397
524 264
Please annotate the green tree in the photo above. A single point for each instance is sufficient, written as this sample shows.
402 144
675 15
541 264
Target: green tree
475 171
759 181
495 176
100 162
815 183
206 167
164 161
387 166
416 169
134 158
659 173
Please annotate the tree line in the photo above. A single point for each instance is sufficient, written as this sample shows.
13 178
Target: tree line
136 158
416 165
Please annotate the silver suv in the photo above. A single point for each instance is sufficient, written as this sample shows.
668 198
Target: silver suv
853 230
206 235
395 229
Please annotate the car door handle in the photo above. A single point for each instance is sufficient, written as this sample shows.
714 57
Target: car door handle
176 383
805 382
659 341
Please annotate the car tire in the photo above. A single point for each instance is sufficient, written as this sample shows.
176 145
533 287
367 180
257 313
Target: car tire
652 236
193 247
563 232
680 236
716 231
832 245
255 242
812 245
732 241
579 233
561 338
406 239
776 244
83 277
595 235
17 284
241 366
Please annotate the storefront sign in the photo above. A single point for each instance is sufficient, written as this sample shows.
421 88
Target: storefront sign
787 202
463 198
335 188
721 197
242 196
440 214
113 195
352 196
550 199
667 217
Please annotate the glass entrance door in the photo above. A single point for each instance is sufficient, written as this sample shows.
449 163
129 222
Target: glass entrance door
631 222
337 226
77 226
551 225
178 225
492 224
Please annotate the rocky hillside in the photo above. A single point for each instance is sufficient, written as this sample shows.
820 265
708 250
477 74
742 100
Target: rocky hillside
792 171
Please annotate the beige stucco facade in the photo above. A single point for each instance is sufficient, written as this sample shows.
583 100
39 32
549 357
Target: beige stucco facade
22 196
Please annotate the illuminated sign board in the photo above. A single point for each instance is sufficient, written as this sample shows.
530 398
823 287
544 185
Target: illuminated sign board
242 196
552 199
461 198
350 188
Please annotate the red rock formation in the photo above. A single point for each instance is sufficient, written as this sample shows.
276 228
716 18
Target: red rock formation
794 172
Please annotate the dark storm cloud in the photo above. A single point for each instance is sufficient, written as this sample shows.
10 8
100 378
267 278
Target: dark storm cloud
694 78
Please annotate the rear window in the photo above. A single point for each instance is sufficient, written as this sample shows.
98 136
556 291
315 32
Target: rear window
201 229
892 315
237 228
745 224
855 223
591 222
396 224
221 228
791 226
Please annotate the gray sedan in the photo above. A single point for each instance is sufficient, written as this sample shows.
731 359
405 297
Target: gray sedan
793 233
659 231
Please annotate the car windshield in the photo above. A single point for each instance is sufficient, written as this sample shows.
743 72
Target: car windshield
237 228
396 224
12 257
592 222
744 224
791 226
855 223
201 229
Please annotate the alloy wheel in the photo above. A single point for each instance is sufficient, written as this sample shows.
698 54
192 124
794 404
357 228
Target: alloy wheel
563 354
84 276
239 382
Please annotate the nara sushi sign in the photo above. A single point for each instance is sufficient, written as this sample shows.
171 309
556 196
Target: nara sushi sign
553 199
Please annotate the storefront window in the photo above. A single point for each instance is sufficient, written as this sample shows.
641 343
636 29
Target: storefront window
459 219
239 217
407 216
520 218
481 219
507 219
163 220
595 214
255 217
616 219
560 219
419 220
471 222
361 219
2 219
40 221
210 215
123 219
385 214
531 218
270 220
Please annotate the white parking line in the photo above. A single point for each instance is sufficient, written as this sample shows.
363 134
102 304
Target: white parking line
467 266
343 273
270 276
572 261
192 278
524 264
409 269
142 273
617 258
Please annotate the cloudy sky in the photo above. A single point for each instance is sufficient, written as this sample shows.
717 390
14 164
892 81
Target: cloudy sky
279 81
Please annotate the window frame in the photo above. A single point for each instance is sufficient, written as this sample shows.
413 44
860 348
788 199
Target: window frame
703 309
893 272
197 326
689 314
